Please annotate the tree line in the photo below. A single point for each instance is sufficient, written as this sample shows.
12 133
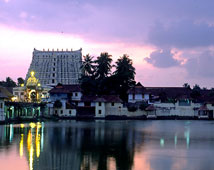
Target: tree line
10 83
99 79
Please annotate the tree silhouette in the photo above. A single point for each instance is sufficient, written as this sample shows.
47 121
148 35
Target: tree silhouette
103 67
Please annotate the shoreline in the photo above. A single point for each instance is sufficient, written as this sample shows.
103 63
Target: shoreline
111 118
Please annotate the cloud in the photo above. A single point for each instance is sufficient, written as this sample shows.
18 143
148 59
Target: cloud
182 34
23 15
201 66
106 21
162 59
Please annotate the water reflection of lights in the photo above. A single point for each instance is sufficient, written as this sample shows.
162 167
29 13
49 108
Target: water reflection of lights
11 133
187 136
21 145
31 157
42 136
38 141
175 140
162 142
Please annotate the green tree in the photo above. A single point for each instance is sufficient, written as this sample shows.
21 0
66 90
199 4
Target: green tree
125 75
87 66
196 92
186 85
103 67
20 81
8 83
196 87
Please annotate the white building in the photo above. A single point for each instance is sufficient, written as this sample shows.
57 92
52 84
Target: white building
53 67
68 101
2 105
138 94
68 95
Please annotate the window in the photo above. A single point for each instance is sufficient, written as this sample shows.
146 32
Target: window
70 112
16 93
54 64
1 105
53 74
112 104
76 94
100 103
53 69
61 111
100 112
53 81
56 112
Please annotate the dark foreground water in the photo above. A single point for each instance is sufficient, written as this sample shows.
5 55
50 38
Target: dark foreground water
108 145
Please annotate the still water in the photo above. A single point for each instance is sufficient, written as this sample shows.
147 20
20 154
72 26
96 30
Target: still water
108 145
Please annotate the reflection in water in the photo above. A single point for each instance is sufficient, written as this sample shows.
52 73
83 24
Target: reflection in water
111 145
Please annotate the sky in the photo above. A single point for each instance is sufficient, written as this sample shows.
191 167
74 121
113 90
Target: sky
171 42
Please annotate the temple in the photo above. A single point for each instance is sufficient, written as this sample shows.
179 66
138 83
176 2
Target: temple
53 67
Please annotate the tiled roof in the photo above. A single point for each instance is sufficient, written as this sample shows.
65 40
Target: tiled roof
65 89
203 108
170 92
151 108
5 93
101 98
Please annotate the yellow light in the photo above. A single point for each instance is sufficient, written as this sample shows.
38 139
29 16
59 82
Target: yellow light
32 125
39 84
39 125
22 125
32 73
22 85
31 158
37 145
29 140
21 145
14 98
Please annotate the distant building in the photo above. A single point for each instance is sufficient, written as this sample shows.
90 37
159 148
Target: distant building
5 95
53 67
68 101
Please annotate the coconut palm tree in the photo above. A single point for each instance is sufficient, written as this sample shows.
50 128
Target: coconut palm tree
87 66
103 67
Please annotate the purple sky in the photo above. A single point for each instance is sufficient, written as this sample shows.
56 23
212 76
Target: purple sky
171 42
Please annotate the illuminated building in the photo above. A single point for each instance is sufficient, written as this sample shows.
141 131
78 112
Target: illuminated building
53 67
32 91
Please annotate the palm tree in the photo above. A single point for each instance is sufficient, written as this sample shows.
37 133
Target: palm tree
124 69
103 67
125 75
87 66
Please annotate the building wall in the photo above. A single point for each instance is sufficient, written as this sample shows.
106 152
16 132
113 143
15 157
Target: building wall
2 114
138 97
100 110
53 67
61 96
63 112
171 109
76 96
19 92
113 109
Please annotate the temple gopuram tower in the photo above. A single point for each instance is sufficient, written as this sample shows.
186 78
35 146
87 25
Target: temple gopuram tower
53 67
